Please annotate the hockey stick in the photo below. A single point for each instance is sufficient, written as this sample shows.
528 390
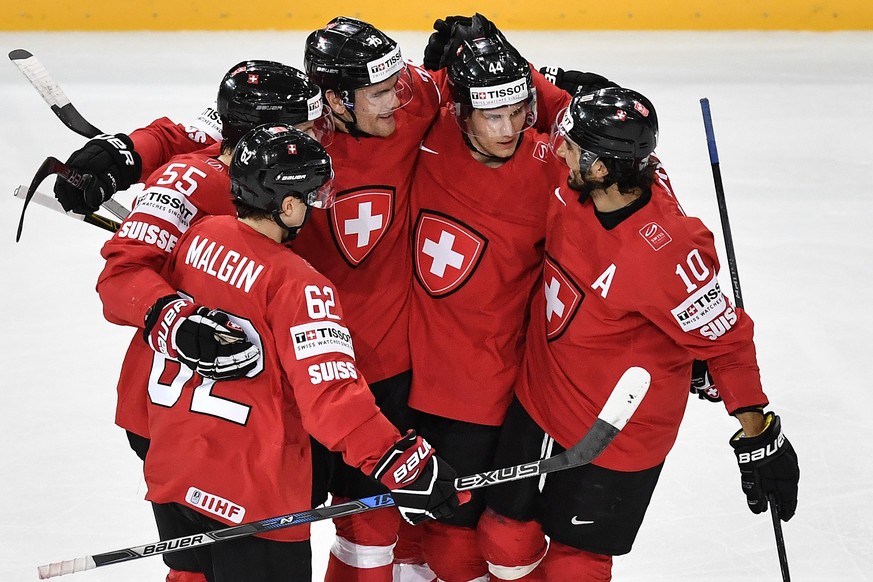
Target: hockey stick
52 93
49 89
55 166
621 405
738 298
52 203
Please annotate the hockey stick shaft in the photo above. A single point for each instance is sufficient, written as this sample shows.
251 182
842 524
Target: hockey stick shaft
52 93
738 297
52 203
621 405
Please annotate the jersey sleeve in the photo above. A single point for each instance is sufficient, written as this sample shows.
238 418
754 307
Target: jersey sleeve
430 90
688 304
317 354
131 279
162 139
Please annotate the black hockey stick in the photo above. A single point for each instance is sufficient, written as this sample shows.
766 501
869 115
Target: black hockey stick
52 203
52 93
621 405
738 298
55 166
49 89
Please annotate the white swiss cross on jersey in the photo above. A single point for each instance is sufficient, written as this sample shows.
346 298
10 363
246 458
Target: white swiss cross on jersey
563 298
446 252
359 219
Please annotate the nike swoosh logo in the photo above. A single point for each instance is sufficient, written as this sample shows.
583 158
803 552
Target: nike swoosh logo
576 521
558 196
424 148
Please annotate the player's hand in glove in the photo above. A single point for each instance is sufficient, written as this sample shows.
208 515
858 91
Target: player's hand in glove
202 339
422 484
575 81
438 44
109 164
702 383
768 464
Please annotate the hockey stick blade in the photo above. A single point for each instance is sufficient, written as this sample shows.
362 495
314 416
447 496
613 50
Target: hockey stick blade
621 405
52 93
51 202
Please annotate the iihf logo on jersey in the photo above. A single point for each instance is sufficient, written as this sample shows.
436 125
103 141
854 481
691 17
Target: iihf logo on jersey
447 252
215 505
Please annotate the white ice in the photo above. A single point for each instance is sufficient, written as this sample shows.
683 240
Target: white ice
792 114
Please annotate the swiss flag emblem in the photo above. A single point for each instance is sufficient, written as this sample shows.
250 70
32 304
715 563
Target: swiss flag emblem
447 252
359 219
563 298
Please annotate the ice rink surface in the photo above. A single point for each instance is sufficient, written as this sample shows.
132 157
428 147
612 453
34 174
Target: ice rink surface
792 115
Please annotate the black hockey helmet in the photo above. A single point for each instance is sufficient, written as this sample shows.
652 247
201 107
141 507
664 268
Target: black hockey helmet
486 73
613 122
348 54
273 161
256 92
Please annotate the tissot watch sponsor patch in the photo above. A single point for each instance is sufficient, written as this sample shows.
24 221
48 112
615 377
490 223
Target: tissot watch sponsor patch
359 219
701 308
563 298
447 252
321 337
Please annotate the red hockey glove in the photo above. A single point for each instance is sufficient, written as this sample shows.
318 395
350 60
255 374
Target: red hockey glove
768 464
202 339
422 484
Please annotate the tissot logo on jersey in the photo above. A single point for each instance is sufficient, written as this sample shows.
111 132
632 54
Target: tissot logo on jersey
329 371
701 308
318 338
168 205
215 505
447 252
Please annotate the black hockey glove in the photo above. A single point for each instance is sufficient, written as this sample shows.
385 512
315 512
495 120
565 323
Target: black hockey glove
702 383
202 339
438 43
575 81
112 165
422 484
768 464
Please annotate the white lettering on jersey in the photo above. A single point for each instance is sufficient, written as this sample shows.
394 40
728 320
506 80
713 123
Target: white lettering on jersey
207 124
166 204
702 307
151 234
321 337
226 265
215 505
720 325
604 281
329 371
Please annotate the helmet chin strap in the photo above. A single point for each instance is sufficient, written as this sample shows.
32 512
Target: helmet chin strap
490 157
291 232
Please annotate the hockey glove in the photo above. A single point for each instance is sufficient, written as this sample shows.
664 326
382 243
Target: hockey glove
575 81
702 383
111 165
439 42
768 464
202 339
422 484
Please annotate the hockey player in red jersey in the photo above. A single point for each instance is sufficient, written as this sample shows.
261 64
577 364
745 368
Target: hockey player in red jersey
628 280
177 195
223 453
478 245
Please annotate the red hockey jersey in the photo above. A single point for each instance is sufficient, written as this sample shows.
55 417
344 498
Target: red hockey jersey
239 451
176 196
478 249
636 287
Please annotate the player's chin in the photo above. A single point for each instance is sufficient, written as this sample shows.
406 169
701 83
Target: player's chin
383 126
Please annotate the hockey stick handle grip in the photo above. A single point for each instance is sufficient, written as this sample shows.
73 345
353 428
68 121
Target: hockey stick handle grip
710 133
66 567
